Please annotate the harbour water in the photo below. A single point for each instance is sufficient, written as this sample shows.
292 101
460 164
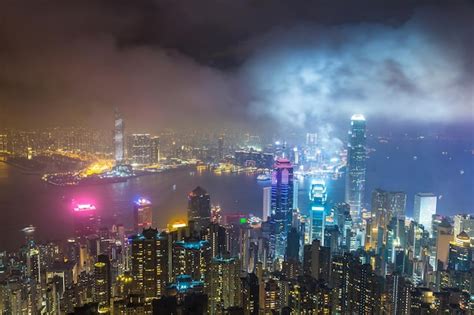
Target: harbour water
409 166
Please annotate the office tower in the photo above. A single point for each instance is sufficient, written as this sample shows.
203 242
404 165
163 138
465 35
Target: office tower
356 166
192 257
220 147
140 149
464 222
424 209
317 196
295 194
85 220
444 238
155 150
199 208
267 203
460 253
119 139
282 204
142 214
385 206
149 262
293 247
225 284
102 282
3 143
397 202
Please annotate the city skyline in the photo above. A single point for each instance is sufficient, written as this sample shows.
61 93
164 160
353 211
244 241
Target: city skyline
236 158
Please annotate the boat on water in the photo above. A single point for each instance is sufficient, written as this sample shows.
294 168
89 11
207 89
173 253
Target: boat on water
263 177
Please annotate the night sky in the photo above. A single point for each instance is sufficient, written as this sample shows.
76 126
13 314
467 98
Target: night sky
236 63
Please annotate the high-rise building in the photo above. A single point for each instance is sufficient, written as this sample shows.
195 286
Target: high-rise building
444 238
140 149
119 139
142 214
267 203
356 165
282 204
293 247
192 257
85 220
199 208
149 262
460 253
225 284
220 147
424 209
398 294
102 282
317 196
155 150
464 222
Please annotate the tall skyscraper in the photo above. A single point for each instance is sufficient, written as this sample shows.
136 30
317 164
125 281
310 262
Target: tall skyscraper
225 284
267 203
85 220
155 150
149 262
464 222
424 209
199 208
460 253
119 139
356 165
142 214
140 149
102 282
317 196
385 206
282 204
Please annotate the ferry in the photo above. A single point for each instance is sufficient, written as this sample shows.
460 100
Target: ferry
263 177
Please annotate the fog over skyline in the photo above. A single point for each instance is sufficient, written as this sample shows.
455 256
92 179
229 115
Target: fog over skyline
162 64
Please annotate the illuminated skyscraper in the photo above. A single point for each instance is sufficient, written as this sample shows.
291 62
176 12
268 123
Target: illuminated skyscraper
267 203
85 220
142 214
460 253
317 196
155 150
192 257
199 208
119 139
102 282
225 285
282 204
356 165
140 149
424 209
464 222
149 262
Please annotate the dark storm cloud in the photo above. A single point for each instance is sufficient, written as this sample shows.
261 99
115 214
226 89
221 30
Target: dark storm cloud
221 62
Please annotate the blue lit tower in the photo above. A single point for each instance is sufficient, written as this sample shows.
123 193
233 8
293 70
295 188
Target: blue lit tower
356 166
119 139
318 196
281 204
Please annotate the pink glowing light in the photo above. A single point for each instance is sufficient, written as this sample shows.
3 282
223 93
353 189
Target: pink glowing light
84 207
